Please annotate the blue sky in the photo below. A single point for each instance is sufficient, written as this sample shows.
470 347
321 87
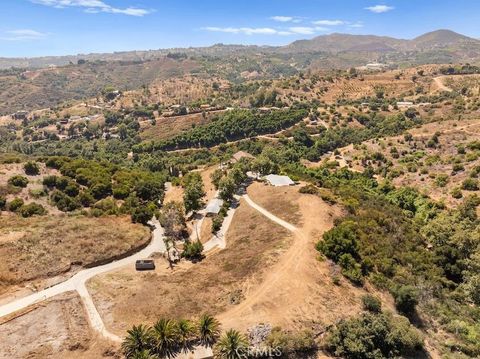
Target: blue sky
60 27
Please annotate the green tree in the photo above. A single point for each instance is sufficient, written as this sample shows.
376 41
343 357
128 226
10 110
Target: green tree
165 338
186 332
31 168
18 181
138 339
232 345
226 187
192 197
193 251
208 330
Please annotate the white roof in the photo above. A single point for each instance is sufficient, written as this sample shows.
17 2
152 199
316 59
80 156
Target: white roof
277 181
214 206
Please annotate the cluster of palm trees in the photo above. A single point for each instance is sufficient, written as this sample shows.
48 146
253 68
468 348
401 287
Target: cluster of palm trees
168 337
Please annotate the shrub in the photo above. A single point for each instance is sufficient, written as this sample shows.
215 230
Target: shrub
456 193
50 181
308 189
371 303
193 251
441 180
406 299
15 204
31 168
31 209
64 202
141 215
376 336
470 184
18 181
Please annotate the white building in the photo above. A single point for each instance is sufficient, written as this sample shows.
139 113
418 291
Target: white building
279 181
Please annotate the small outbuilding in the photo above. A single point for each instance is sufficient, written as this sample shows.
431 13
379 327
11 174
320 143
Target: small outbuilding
279 181
239 155
214 207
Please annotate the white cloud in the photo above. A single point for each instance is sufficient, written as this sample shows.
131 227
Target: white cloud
244 30
293 19
294 30
379 8
93 6
282 18
329 22
356 25
23 35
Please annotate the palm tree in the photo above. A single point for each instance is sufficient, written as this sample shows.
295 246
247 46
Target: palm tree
186 333
208 330
165 338
143 354
137 340
232 345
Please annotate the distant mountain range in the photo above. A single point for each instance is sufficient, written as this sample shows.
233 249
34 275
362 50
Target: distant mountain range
436 46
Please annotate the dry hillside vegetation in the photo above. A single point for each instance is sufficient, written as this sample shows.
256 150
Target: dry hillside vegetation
41 247
436 167
216 284
167 127
33 192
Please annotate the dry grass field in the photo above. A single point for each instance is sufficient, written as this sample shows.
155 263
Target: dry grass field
37 248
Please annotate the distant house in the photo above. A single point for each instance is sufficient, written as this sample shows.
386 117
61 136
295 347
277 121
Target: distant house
404 104
279 181
214 207
375 66
239 155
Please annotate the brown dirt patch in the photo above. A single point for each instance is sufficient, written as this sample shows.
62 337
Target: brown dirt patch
57 328
281 201
42 247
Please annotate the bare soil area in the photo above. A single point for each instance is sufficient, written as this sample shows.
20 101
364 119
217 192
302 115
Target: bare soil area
280 201
54 329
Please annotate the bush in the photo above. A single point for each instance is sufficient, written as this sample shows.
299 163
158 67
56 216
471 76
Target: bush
456 193
31 209
141 215
406 299
193 251
373 336
15 204
31 168
371 303
441 180
470 184
291 344
18 181
50 181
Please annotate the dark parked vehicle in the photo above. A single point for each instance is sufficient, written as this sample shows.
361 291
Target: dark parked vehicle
145 264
